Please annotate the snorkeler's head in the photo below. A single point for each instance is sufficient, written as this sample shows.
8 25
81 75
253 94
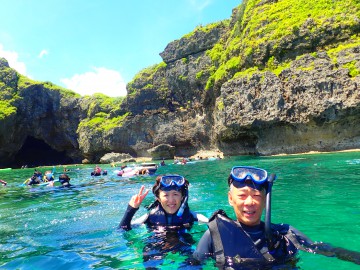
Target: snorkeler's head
170 182
241 176
64 178
37 173
49 175
254 182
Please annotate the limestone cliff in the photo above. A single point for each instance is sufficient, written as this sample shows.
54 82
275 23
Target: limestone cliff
274 78
36 110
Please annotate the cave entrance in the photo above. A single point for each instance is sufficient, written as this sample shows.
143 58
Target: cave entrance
35 152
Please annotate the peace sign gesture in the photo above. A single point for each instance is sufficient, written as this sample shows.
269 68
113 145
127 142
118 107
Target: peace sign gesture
137 199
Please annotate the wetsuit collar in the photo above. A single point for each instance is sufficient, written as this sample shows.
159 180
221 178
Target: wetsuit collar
252 229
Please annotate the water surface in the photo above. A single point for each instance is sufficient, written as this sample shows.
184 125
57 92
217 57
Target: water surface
55 228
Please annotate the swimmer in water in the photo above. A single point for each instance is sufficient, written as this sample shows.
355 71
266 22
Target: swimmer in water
170 207
248 242
169 217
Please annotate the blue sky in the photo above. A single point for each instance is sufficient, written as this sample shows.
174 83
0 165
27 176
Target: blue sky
97 45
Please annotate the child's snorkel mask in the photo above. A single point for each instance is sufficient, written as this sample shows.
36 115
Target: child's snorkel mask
256 178
171 181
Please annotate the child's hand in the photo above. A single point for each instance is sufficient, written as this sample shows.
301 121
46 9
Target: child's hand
137 199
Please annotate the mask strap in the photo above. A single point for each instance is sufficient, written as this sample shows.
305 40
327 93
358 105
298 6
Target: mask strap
153 205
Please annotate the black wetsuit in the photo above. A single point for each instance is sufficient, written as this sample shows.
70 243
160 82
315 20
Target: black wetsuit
158 217
169 233
34 180
237 246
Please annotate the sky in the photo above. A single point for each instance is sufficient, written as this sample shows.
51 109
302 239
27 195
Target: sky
97 46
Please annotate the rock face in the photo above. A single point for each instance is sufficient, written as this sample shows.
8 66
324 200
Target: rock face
198 42
114 157
41 113
311 106
162 151
233 86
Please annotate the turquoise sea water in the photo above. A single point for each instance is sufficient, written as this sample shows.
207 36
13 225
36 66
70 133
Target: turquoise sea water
54 228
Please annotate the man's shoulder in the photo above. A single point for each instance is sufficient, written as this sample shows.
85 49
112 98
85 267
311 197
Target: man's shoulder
218 213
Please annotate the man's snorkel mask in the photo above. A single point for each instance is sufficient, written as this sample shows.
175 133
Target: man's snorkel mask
242 176
172 182
256 178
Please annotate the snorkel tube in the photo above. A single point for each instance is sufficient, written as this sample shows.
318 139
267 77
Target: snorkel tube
183 205
268 233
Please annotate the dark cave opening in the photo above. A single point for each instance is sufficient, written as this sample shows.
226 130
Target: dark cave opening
35 152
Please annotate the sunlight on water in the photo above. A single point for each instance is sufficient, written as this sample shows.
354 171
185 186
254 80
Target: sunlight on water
76 228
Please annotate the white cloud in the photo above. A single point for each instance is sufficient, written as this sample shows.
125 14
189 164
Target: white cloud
12 58
42 53
101 80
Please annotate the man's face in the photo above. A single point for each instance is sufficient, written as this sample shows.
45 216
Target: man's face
248 204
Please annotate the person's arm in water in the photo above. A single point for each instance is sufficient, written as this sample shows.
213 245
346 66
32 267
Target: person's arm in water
204 248
201 218
325 249
338 252
132 207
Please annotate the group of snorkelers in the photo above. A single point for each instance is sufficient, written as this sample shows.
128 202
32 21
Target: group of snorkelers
185 160
126 171
48 178
247 242
38 178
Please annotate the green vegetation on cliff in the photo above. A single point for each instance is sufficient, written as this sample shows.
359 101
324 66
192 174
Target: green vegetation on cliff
12 83
6 109
274 20
354 42
144 78
8 90
102 122
206 28
25 82
102 113
268 34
